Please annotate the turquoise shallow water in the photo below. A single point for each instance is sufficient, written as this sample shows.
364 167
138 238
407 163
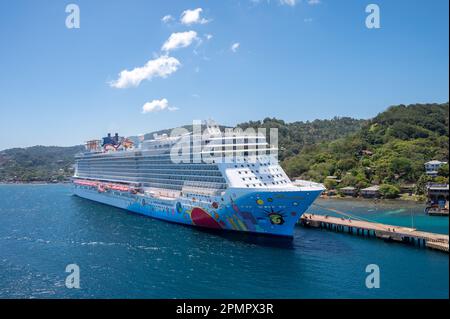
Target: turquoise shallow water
121 255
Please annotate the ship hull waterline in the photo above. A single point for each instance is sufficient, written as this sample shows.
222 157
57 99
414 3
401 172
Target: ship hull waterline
257 212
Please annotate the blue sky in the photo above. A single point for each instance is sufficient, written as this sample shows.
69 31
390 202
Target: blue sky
295 60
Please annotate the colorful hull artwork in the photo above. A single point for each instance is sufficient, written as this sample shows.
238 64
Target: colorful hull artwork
264 212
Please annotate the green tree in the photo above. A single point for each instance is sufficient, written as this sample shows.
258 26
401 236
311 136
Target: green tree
389 191
346 164
401 166
421 184
330 184
441 180
443 170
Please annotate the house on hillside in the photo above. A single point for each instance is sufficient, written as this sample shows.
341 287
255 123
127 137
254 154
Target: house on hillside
407 189
333 178
371 192
432 167
348 191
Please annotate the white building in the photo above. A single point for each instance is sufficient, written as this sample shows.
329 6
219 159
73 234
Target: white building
432 167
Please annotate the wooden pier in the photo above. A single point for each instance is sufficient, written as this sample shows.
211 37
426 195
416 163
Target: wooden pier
378 230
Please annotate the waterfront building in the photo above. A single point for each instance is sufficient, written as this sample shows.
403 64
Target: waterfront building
371 192
348 191
437 194
432 167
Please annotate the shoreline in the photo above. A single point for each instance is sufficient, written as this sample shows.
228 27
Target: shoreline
359 198
34 183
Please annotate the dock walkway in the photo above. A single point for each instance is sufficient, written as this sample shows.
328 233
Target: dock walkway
378 230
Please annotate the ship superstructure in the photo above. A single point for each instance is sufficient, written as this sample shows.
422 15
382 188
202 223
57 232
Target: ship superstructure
213 180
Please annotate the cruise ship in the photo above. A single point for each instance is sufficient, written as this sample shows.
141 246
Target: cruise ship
233 189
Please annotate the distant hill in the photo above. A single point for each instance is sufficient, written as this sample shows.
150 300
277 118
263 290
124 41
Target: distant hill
37 163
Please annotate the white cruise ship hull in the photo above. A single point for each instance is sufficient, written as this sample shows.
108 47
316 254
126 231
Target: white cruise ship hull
264 211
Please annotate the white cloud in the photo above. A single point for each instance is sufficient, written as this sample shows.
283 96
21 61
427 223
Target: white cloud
159 67
179 40
313 2
167 18
189 17
235 46
288 2
157 105
208 36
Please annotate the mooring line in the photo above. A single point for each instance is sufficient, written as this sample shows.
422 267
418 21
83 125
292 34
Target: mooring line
350 216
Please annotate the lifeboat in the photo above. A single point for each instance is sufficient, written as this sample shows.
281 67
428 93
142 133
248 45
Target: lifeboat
85 183
121 188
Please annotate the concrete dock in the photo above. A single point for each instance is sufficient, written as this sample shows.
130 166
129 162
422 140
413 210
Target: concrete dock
378 230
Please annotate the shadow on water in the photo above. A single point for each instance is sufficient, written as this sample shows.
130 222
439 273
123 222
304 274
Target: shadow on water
230 235
249 238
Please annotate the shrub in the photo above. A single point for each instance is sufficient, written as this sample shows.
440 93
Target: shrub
389 191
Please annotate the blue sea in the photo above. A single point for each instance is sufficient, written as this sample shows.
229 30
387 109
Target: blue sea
43 228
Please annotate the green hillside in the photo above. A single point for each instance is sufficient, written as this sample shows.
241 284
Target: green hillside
389 149
37 163
292 137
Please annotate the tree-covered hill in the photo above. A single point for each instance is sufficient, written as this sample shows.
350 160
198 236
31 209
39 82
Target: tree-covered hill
37 163
292 137
389 149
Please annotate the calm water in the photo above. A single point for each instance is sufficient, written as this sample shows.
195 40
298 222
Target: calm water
121 255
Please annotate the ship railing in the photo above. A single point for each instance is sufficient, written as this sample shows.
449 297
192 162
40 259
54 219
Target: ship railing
162 193
201 191
304 183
